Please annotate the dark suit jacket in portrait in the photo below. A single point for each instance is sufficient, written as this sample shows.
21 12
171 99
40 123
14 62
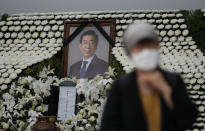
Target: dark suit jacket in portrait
124 111
97 66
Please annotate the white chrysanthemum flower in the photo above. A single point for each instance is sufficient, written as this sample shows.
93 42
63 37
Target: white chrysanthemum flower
181 20
45 41
2 23
14 35
25 28
38 22
43 34
11 28
52 41
170 33
156 15
50 34
181 38
55 27
165 21
168 27
176 26
13 76
61 28
179 15
3 87
177 32
47 28
9 23
39 28
32 28
119 33
52 21
160 26
173 21
185 32
163 33
7 80
9 41
1 35
17 28
23 22
5 125
58 34
59 22
183 26
7 35
27 35
35 34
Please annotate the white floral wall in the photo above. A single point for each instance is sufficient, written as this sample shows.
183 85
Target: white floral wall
26 39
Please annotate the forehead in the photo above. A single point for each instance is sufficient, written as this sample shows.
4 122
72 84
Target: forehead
89 36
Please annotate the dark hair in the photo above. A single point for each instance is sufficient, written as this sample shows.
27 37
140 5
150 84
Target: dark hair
89 32
147 40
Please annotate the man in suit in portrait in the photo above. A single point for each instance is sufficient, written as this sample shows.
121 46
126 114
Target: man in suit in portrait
90 65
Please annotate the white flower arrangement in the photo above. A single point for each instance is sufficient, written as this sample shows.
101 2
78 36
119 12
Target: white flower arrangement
39 28
32 28
11 28
2 23
170 33
7 35
168 27
185 32
55 27
23 22
43 34
25 28
177 32
180 20
30 22
47 28
58 34
1 35
38 22
44 22
27 35
35 35
9 41
160 26
9 23
176 26
17 28
4 28
52 21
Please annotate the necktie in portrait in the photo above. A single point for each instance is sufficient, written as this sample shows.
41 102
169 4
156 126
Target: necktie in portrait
83 69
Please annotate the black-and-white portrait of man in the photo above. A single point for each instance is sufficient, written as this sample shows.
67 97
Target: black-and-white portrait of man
90 64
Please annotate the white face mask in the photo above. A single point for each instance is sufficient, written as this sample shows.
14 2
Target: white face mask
147 59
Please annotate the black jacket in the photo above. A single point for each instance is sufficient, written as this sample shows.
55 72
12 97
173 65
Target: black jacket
97 66
124 112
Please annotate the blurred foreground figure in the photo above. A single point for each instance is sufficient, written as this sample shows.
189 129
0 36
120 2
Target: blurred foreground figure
149 98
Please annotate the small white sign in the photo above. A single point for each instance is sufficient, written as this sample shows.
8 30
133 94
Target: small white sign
67 102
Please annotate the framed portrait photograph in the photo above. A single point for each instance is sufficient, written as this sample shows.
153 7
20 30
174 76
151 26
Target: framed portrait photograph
89 53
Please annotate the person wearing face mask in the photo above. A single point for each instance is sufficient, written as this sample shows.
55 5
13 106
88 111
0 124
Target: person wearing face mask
148 98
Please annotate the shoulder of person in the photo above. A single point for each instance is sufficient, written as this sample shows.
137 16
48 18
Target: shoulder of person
100 60
125 79
171 75
76 64
173 78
